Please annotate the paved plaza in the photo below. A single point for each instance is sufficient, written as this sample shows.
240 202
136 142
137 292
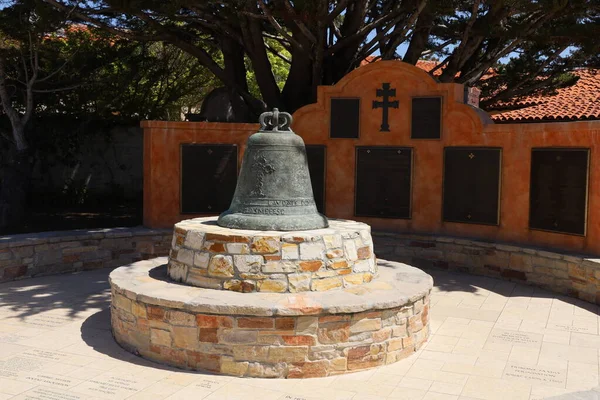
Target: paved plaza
491 340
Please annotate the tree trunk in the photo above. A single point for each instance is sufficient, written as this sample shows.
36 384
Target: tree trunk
15 178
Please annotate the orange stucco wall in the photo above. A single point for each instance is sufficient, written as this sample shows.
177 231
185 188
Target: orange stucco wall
462 125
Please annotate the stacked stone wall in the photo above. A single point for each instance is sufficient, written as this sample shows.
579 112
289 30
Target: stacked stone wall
48 253
270 346
570 274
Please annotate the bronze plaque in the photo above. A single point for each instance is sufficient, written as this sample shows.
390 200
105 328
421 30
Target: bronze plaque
208 177
471 189
383 182
344 119
315 155
558 190
426 121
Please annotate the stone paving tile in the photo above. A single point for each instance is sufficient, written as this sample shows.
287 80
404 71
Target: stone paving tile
490 340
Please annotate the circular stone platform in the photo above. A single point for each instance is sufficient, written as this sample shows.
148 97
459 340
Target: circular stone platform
270 335
207 255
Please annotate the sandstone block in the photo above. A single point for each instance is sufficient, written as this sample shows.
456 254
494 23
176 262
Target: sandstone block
307 325
290 251
208 335
334 253
285 323
139 310
234 336
364 252
214 321
221 266
121 302
181 318
395 344
235 368
256 322
155 313
288 354
332 241
201 259
278 267
214 247
353 279
310 266
333 332
382 334
299 282
365 325
160 337
184 337
259 370
338 264
299 340
227 238
326 284
273 285
311 369
177 271
265 245
339 364
196 278
205 361
185 256
194 240
238 248
250 353
248 263
311 250
350 250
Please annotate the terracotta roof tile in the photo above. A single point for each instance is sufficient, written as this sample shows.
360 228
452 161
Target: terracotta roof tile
580 101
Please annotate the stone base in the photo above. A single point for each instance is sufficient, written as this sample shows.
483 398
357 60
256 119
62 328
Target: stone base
270 335
207 255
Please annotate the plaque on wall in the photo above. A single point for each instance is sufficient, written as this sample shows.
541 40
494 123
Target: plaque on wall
208 177
344 122
426 121
559 190
471 188
315 155
383 182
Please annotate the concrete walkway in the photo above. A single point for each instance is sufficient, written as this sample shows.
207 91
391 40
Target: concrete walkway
491 340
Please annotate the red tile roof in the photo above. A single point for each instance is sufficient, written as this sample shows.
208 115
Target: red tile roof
580 101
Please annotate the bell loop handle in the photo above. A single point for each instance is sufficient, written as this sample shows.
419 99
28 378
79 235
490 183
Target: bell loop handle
275 121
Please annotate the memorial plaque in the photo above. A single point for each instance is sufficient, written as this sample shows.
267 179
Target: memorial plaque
315 154
558 190
344 120
471 189
426 122
383 182
540 375
208 177
525 339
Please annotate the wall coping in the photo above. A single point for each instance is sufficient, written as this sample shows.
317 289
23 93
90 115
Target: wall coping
504 246
31 239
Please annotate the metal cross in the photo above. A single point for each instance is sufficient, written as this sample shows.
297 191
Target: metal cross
385 92
471 156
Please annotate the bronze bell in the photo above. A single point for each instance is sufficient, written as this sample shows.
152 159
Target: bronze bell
273 191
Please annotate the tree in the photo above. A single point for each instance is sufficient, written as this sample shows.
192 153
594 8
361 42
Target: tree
328 38
57 80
